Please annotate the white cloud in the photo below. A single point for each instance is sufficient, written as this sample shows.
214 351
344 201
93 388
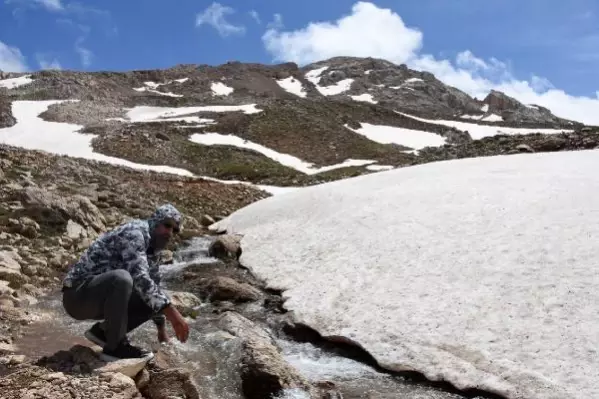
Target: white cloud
254 14
46 63
50 5
388 37
11 59
85 54
276 23
214 16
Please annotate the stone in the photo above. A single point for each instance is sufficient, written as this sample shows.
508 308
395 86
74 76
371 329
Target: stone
207 220
128 367
142 379
171 383
524 148
75 231
184 302
264 371
226 246
225 288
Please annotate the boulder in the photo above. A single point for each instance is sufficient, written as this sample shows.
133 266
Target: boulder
524 148
207 220
226 246
225 288
171 383
184 302
128 367
264 371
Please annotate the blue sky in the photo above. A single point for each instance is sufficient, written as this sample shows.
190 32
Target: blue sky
545 45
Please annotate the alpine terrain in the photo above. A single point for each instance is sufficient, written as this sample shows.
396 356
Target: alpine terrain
352 228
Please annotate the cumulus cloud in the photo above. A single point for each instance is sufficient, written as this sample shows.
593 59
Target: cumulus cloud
389 38
215 15
11 59
46 62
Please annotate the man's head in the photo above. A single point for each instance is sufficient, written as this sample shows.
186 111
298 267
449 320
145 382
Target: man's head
164 222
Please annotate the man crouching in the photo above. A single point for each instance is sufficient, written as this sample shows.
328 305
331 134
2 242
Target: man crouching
116 280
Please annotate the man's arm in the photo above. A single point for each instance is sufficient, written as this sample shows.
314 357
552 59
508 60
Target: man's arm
158 318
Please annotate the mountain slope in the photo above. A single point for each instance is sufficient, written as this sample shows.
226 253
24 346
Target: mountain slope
277 124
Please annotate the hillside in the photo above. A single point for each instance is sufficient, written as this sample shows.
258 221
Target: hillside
279 125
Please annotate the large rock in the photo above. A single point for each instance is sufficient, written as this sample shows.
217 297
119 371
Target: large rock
185 302
128 367
225 288
264 371
172 383
226 246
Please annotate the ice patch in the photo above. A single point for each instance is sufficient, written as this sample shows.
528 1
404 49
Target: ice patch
293 86
416 139
364 98
478 132
16 82
284 159
221 89
480 272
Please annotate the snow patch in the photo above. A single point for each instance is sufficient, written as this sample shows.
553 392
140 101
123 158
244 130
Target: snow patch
480 272
478 132
338 88
416 139
16 82
367 72
532 106
493 118
414 80
168 94
159 114
364 98
33 133
378 168
293 86
220 89
284 159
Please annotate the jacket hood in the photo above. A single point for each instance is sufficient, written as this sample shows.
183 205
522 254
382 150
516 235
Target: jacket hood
163 213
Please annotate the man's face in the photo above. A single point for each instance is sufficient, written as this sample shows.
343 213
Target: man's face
163 233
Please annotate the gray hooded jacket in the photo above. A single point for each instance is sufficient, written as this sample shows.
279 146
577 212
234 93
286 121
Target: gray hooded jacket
126 247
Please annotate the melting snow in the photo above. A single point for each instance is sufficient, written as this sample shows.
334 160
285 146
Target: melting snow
489 118
338 88
154 114
182 80
284 159
168 94
416 139
379 167
16 82
364 98
490 280
220 89
485 108
532 106
33 133
293 86
478 132
414 80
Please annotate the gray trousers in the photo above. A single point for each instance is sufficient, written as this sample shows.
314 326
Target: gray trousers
110 297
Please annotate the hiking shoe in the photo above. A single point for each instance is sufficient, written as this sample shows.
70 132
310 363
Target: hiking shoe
96 335
125 351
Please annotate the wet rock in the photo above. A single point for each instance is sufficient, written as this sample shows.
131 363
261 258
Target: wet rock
264 371
172 383
226 246
165 257
225 288
184 302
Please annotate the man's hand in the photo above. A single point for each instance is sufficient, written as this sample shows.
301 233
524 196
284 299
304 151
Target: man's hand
162 334
178 322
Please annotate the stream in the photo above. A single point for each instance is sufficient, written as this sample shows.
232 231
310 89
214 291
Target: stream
212 356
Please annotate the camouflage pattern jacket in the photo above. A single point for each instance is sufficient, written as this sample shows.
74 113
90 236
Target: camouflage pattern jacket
126 247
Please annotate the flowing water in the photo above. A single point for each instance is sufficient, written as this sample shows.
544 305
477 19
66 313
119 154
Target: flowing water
213 356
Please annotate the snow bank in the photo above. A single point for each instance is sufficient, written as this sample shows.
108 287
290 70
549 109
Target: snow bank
220 89
482 272
293 86
416 139
157 114
478 132
16 82
284 159
168 94
364 98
